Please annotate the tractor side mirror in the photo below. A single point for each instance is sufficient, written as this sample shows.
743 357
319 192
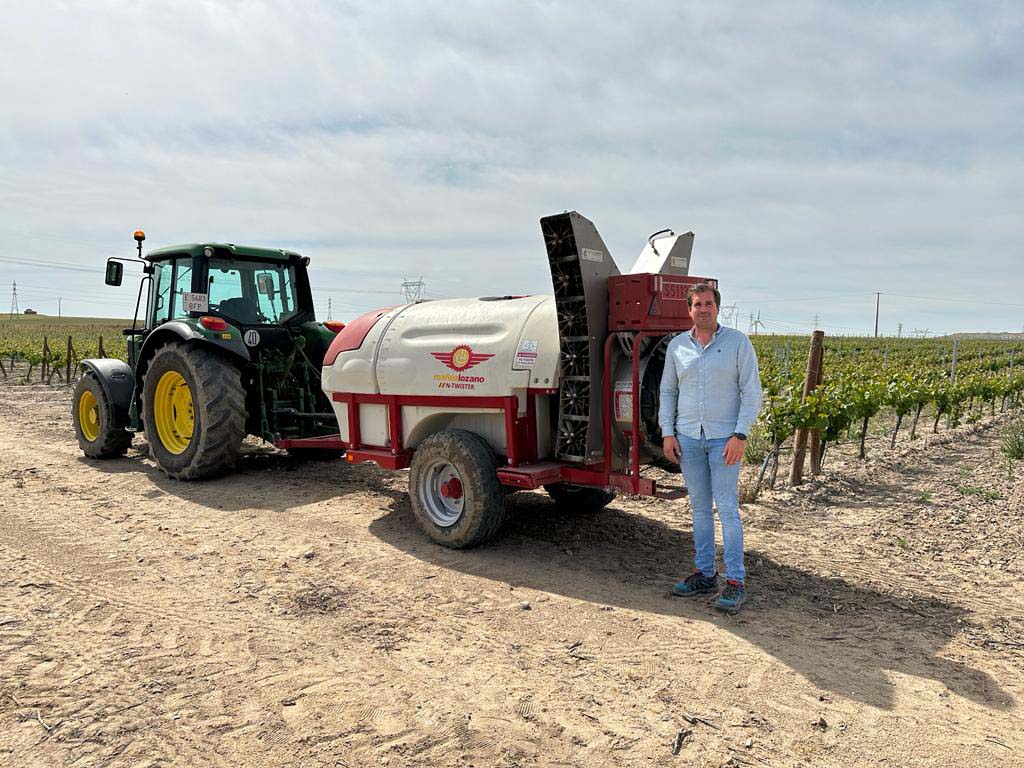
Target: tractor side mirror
115 269
265 285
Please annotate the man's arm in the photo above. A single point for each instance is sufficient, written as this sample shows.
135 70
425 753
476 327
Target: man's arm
749 380
668 397
668 405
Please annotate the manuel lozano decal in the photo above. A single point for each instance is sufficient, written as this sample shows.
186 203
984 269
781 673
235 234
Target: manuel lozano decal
460 359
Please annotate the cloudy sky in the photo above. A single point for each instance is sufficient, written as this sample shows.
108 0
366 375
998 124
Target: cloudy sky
821 152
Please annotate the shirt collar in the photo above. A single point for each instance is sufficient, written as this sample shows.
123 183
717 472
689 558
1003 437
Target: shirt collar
714 335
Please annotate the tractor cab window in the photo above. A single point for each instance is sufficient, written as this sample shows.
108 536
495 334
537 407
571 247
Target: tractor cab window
163 274
182 284
171 278
275 287
250 292
225 282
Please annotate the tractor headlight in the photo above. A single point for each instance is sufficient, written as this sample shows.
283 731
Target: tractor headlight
208 252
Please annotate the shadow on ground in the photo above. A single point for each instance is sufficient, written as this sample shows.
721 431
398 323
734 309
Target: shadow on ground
843 637
264 478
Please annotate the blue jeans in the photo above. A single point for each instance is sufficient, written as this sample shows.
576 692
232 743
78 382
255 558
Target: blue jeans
709 478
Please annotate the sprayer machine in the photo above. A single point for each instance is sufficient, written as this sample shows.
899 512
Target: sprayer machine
480 397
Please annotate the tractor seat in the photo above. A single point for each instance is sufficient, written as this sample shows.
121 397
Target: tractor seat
241 309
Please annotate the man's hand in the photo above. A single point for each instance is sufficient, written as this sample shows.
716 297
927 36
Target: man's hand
734 450
670 447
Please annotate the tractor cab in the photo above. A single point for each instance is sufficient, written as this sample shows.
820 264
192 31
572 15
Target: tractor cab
262 294
247 287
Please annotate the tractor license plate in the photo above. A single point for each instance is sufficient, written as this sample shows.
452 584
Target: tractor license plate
195 302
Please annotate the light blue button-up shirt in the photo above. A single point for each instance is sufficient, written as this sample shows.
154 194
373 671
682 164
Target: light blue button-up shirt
716 388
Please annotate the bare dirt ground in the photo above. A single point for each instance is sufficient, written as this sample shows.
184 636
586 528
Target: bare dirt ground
293 615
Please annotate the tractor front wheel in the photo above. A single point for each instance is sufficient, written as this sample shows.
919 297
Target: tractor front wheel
455 492
579 498
194 412
93 417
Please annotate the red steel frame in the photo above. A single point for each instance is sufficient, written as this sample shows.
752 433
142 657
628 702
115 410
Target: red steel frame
520 430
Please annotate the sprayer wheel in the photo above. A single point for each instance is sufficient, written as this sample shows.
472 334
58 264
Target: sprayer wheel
579 498
454 487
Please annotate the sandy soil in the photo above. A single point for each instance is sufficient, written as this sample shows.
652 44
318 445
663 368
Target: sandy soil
293 615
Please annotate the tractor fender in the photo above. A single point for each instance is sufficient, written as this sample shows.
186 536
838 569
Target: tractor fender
118 383
176 330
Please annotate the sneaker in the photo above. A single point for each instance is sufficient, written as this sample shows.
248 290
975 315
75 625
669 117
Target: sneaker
696 584
732 597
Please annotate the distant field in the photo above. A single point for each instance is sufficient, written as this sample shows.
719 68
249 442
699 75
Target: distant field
23 336
36 320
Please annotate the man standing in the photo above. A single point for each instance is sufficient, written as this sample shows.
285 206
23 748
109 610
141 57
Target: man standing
710 396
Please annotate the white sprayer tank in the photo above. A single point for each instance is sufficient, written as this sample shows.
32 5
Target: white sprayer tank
456 349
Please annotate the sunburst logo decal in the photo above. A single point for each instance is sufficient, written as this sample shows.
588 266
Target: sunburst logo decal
461 357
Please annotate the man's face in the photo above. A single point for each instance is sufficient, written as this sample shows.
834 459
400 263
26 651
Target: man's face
704 311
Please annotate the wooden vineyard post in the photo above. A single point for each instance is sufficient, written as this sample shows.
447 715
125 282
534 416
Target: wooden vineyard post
100 351
817 449
796 471
46 359
71 351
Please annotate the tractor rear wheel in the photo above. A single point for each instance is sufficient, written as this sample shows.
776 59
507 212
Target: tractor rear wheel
194 411
579 498
456 496
93 417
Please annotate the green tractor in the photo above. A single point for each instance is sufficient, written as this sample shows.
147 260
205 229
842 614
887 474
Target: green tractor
230 347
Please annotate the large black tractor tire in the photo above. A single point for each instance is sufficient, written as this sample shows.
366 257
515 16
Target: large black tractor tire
456 496
579 498
193 412
93 417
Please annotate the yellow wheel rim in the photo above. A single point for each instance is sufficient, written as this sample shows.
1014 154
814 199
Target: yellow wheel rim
172 412
89 416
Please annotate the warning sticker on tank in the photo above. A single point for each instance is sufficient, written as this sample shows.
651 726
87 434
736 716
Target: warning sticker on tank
526 355
681 262
623 400
589 254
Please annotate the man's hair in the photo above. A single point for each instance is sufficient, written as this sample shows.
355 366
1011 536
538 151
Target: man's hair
701 288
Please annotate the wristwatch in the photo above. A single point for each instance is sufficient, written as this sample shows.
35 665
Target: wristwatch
740 435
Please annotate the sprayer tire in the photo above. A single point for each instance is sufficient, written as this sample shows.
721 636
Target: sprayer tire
479 509
316 454
579 498
215 402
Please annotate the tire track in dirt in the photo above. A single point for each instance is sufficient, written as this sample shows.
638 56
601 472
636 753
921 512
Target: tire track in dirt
86 588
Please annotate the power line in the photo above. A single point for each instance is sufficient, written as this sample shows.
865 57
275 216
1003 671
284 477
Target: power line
34 263
800 324
809 298
947 298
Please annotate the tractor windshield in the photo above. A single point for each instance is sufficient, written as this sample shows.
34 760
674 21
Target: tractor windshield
252 292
